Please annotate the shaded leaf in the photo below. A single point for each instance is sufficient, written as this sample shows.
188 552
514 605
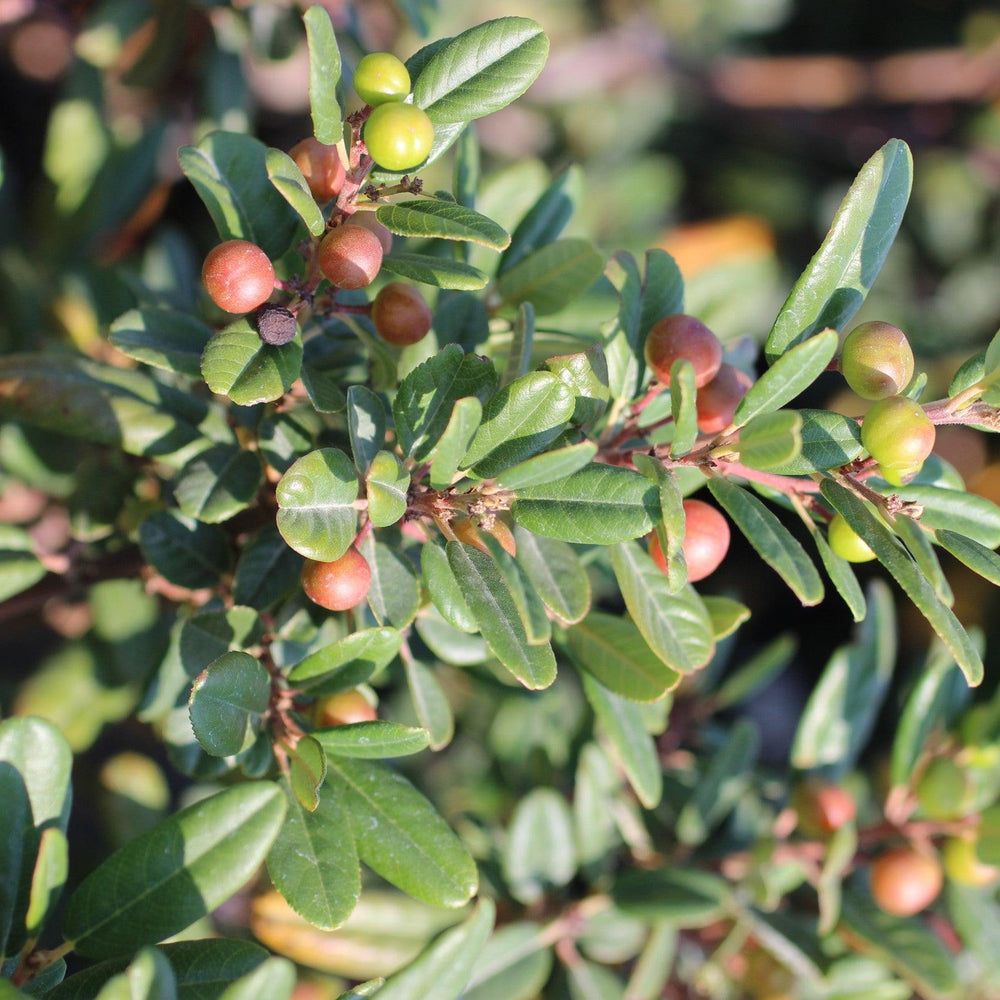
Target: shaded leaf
550 278
228 700
238 364
163 338
324 75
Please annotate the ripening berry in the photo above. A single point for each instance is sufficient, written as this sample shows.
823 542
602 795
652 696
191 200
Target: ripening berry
680 336
846 542
367 220
381 77
398 136
321 166
717 400
877 360
706 540
340 584
905 881
823 807
899 436
350 256
400 314
238 276
343 708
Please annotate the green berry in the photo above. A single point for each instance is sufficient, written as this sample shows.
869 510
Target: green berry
877 360
846 542
899 436
380 78
398 136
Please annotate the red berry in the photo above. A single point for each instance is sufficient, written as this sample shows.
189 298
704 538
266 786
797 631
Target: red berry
340 584
823 807
679 336
238 276
717 400
321 166
706 540
350 256
905 881
367 220
400 314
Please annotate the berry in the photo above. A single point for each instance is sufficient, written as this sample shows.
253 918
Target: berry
706 540
398 136
400 314
898 435
238 276
367 220
344 708
717 400
876 359
823 807
340 584
905 881
943 790
846 542
962 864
680 336
350 256
380 78
321 166
275 324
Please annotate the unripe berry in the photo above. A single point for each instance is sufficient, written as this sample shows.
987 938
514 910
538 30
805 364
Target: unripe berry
706 540
962 864
846 542
400 314
681 336
343 708
381 77
717 400
877 360
944 790
898 435
398 136
367 220
340 584
321 166
905 881
823 807
238 276
350 256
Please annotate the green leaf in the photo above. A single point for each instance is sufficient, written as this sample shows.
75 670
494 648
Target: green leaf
977 557
228 700
455 440
445 220
20 568
187 552
346 663
828 440
148 977
841 576
426 397
218 483
496 611
387 486
839 717
324 75
621 721
323 388
586 374
555 573
720 784
514 965
662 293
840 275
779 549
47 879
437 271
205 636
682 407
619 344
725 614
673 525
481 70
106 405
238 364
394 593
373 740
286 176
314 864
680 897
38 752
895 559
229 172
401 836
547 467
443 970
306 771
521 420
179 871
539 852
522 342
756 673
163 338
599 505
676 626
267 571
552 277
788 376
917 540
614 651
905 944
976 917
430 703
444 589
771 440
274 979
365 425
316 497
973 516
546 219
18 846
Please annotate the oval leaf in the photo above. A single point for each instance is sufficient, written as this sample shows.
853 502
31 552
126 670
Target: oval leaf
437 271
372 740
443 220
227 702
552 277
163 338
238 364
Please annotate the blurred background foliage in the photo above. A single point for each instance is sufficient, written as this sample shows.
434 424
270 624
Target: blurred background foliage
725 131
